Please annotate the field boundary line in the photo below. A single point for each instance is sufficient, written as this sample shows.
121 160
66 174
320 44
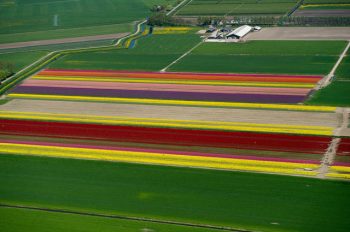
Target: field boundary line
127 218
181 57
328 79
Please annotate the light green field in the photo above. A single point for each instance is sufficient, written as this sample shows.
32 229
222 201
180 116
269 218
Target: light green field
237 7
19 220
22 59
289 57
157 51
151 53
42 17
258 202
65 33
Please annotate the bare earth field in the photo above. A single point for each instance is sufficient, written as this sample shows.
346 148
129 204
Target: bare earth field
175 112
61 41
301 33
324 13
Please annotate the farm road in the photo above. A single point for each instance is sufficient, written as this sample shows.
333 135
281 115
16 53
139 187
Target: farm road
62 41
301 33
176 112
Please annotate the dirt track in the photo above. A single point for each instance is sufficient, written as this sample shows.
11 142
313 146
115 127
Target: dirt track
175 112
61 41
301 33
322 13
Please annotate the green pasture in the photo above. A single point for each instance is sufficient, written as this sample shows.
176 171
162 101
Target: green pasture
19 220
44 16
288 57
237 7
151 53
258 202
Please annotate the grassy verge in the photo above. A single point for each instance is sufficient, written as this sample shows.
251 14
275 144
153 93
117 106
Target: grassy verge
241 200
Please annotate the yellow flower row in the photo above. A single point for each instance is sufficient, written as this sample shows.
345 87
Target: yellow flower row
340 168
177 102
323 5
338 175
172 28
172 123
159 159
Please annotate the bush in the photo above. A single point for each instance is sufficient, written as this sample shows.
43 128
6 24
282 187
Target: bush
6 70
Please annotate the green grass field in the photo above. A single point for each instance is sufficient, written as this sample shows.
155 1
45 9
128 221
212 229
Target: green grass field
19 220
343 71
289 57
40 18
151 53
242 200
237 7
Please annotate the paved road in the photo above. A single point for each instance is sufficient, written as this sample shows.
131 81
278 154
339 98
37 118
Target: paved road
301 33
62 41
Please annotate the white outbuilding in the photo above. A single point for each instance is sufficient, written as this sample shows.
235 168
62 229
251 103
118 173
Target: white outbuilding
240 32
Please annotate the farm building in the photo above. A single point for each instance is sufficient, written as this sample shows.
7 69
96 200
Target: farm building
240 32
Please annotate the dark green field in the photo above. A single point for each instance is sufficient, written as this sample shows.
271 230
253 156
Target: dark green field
289 57
43 16
237 7
242 200
336 94
152 53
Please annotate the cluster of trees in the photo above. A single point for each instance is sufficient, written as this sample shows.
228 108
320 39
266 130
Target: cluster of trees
6 70
161 19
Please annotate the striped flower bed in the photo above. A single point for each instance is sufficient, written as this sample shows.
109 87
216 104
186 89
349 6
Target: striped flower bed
198 160
77 128
171 86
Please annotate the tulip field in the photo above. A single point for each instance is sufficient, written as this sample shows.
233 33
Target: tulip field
166 133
